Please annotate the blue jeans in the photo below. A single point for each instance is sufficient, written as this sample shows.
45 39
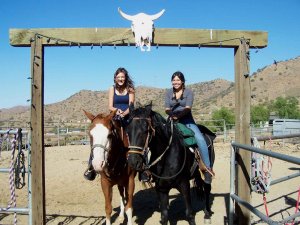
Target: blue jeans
202 146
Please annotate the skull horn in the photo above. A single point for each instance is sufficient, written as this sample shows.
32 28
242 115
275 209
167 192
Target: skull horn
124 15
157 15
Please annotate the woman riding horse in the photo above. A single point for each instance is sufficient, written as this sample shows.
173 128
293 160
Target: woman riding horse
109 158
171 164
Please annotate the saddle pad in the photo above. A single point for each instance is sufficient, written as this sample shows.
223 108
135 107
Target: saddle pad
187 133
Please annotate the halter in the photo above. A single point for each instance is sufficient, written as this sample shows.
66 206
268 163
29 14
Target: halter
138 149
100 146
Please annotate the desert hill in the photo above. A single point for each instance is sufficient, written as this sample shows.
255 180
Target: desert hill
279 79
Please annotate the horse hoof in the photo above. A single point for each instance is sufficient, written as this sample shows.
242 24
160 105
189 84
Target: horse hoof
208 213
207 221
120 218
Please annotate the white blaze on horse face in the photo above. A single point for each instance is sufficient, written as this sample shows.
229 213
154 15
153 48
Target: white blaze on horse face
99 134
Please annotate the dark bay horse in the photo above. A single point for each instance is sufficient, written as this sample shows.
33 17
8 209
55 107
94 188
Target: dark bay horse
109 150
171 163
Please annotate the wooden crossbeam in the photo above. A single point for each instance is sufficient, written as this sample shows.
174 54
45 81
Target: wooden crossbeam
125 37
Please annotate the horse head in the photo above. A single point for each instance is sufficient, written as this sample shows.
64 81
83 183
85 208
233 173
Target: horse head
139 132
102 131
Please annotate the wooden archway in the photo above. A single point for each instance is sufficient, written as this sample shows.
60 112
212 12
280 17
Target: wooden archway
37 39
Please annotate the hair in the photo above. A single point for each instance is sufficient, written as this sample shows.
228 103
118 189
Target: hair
129 84
180 75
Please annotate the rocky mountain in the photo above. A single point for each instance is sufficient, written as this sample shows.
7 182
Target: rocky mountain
279 79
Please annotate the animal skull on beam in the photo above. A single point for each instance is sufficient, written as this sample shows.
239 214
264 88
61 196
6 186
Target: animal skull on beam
142 26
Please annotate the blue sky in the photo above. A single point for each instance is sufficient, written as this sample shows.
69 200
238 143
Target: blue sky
69 70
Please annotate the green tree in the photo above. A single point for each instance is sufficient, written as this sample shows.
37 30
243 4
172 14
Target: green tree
259 113
223 114
286 108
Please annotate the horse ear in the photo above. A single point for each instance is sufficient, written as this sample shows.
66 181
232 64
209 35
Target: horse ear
138 104
89 115
131 107
112 113
149 108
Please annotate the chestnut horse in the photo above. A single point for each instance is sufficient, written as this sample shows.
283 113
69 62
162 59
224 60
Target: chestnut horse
109 151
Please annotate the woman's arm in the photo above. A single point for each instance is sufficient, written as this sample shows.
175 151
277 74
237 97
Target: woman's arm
131 100
111 99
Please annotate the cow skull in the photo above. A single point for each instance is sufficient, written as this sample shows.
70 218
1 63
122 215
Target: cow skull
142 26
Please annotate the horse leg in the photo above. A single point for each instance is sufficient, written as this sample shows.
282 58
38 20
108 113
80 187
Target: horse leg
184 189
122 203
207 191
107 192
129 196
164 206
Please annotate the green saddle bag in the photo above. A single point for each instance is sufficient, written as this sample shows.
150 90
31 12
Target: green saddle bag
187 133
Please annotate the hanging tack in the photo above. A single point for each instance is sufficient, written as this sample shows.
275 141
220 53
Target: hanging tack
78 45
100 45
115 46
179 46
156 46
220 43
70 44
128 44
92 46
199 46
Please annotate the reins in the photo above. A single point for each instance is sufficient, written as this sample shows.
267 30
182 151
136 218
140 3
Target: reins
170 141
160 157
141 150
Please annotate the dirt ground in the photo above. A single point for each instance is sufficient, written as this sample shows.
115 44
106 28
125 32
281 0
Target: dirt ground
72 200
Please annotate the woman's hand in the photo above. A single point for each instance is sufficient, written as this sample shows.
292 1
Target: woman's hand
174 117
120 113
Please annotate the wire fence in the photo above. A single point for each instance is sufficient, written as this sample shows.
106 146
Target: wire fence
57 133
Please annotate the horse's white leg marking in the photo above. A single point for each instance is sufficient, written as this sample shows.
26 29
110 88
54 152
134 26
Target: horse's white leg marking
129 216
99 134
107 221
122 207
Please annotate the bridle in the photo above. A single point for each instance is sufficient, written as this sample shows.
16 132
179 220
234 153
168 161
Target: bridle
150 133
141 150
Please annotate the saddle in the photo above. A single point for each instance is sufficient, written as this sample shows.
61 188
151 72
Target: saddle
190 142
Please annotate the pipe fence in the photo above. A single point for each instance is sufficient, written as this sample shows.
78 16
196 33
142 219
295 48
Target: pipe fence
236 198
17 169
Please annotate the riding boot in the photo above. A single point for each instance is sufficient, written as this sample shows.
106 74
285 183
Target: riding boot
90 173
144 177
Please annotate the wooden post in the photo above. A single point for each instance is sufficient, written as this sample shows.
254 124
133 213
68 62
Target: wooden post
38 210
242 129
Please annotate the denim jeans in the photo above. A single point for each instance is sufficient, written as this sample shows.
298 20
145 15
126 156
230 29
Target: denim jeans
202 146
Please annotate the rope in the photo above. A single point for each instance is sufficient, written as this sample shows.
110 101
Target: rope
260 179
265 204
297 206
11 177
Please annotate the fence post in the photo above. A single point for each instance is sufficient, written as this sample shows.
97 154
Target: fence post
242 129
